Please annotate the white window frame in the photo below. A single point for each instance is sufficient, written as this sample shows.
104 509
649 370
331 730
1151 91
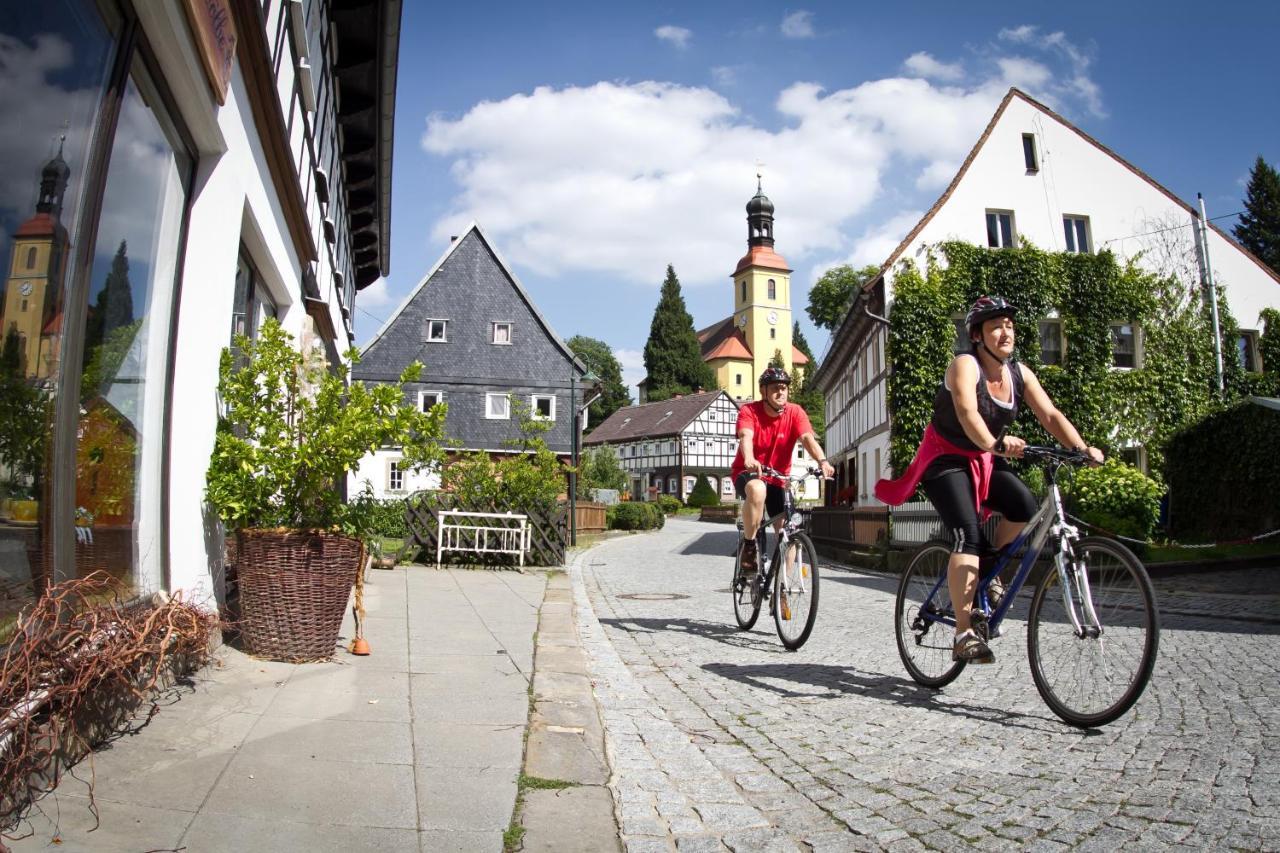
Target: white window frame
489 399
1073 225
394 473
1137 345
1062 340
493 332
422 396
533 407
1013 229
428 330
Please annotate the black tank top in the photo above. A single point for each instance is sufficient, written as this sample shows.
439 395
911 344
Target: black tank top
996 415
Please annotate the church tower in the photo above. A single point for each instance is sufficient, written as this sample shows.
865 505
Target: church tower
34 279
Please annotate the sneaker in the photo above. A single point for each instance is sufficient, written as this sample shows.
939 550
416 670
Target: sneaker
749 560
972 648
995 593
978 625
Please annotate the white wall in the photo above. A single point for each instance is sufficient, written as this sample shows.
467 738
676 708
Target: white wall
374 470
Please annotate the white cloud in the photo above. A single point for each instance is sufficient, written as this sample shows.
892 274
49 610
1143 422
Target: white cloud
725 76
1018 35
622 178
632 363
923 65
679 36
1073 82
375 296
874 245
798 25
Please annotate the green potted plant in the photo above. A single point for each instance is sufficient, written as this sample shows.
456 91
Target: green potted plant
291 430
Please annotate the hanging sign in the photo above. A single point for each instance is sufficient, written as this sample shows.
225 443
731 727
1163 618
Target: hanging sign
215 32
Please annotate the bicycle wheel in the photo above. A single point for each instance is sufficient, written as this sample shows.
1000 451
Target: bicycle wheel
1091 681
746 595
795 592
924 644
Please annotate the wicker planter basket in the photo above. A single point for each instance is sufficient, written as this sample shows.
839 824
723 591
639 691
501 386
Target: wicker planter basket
294 588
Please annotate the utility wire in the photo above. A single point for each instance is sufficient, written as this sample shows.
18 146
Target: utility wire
1172 228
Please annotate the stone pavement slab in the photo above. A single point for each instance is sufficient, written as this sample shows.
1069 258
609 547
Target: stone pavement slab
416 747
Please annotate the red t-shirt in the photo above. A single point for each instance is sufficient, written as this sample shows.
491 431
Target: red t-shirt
773 439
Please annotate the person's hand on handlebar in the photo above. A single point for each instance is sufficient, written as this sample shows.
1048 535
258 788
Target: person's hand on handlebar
1009 446
1095 456
753 464
828 472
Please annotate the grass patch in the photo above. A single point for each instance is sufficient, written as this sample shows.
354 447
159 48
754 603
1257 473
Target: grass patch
512 837
537 783
514 834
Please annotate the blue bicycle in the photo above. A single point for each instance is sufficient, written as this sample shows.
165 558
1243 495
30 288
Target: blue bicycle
1093 629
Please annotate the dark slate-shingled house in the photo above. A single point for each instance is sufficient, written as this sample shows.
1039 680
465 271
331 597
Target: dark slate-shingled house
481 338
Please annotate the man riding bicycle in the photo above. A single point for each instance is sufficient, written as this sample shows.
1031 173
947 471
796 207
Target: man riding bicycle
768 430
961 464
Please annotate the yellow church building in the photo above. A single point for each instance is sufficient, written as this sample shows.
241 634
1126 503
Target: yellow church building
742 345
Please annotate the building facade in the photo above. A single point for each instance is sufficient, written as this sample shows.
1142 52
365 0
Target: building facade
174 172
1032 176
665 446
489 355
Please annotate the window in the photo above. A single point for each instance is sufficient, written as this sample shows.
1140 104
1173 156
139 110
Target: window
23 306
672 486
436 330
689 483
773 334
1029 152
737 379
1000 234
253 301
497 407
544 407
502 333
743 285
1051 342
773 289
427 399
961 344
1124 345
395 477
1247 351
1077 233
31 258
1135 457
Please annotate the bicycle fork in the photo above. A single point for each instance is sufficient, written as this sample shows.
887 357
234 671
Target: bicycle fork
1073 576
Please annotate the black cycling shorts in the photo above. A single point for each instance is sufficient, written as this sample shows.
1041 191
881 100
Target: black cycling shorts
774 496
950 490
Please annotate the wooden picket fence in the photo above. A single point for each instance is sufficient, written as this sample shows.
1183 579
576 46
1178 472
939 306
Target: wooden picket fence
547 542
592 517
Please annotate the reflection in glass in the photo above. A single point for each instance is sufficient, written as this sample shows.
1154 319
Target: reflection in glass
126 353
55 57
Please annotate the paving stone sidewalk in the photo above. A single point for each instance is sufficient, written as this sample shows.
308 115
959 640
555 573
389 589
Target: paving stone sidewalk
417 747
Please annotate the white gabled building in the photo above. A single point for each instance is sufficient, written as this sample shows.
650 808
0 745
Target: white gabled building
1032 176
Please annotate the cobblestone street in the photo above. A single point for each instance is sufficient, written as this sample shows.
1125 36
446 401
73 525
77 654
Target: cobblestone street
722 739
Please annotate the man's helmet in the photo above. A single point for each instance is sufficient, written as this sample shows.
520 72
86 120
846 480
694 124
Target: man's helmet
987 308
774 374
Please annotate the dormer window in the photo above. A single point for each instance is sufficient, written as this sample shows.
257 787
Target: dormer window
436 331
501 333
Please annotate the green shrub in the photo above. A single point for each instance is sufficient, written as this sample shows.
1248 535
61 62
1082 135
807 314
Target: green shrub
635 515
703 494
670 505
1118 498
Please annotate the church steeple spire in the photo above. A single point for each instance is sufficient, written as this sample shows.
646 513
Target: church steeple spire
759 218
53 183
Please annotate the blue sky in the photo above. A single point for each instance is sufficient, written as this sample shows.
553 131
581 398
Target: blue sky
597 143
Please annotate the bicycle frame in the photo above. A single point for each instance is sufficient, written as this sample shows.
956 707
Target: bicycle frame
793 520
1048 521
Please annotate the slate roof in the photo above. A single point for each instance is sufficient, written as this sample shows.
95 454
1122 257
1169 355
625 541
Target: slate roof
653 420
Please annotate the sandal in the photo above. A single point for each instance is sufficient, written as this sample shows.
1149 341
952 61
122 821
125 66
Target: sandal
971 648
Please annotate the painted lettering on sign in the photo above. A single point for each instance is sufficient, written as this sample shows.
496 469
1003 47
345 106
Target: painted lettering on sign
215 32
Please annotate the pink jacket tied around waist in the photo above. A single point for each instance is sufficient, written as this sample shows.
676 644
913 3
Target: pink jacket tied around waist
981 463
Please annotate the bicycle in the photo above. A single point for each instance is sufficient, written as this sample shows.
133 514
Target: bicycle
1093 629
790 581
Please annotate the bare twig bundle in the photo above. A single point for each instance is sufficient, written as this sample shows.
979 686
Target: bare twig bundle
82 649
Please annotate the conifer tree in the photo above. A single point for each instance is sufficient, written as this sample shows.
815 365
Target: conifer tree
1259 226
672 355
600 360
805 394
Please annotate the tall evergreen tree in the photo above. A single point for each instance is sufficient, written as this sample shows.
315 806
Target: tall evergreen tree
599 359
672 355
1259 226
802 344
114 306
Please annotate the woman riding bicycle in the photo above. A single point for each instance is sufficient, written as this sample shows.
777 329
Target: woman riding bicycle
961 459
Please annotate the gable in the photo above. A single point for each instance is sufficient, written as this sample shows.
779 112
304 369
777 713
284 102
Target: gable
470 288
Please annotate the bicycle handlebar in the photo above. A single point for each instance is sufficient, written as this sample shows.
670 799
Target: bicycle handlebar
811 471
1057 454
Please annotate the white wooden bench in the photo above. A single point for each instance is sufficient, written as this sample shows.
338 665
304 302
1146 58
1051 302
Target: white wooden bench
465 532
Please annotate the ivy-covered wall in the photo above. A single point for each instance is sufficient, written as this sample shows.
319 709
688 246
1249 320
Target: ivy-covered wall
1173 388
